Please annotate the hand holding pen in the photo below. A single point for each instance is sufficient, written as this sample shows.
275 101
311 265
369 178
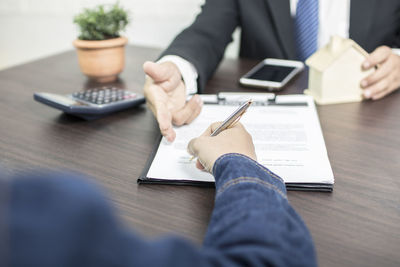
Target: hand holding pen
221 138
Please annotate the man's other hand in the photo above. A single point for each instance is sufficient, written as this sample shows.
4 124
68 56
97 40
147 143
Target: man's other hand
209 148
386 78
165 93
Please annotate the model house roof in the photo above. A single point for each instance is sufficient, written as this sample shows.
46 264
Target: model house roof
325 56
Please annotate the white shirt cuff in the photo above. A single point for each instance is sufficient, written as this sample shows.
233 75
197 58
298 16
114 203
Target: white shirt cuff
396 51
188 72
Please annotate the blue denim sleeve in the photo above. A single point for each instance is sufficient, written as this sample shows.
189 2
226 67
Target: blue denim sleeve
253 224
59 220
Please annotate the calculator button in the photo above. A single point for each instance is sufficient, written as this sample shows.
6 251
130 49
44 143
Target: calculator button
104 95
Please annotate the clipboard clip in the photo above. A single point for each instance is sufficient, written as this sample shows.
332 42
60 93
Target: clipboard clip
233 98
259 99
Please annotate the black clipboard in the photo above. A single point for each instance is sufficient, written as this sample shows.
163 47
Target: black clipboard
143 179
223 100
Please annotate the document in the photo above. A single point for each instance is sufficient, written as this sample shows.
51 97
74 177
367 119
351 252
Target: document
286 134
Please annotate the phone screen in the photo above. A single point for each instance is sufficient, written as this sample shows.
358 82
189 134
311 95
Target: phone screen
272 73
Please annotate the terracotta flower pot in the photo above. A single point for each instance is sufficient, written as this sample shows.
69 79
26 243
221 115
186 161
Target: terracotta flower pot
101 61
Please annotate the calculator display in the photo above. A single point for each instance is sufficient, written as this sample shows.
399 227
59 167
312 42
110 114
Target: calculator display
64 100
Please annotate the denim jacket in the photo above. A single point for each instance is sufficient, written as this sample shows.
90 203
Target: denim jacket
66 221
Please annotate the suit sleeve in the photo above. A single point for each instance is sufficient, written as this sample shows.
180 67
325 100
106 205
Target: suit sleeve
204 42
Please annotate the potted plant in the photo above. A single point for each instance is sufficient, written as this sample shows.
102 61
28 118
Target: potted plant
101 49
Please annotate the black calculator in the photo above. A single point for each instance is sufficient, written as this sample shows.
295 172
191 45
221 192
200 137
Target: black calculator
92 103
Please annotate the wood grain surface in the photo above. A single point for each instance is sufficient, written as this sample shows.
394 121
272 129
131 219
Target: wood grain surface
356 225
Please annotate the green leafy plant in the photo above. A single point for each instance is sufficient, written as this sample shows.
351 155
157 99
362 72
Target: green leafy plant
102 22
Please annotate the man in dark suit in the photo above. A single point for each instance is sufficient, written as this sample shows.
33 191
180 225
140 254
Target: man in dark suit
269 28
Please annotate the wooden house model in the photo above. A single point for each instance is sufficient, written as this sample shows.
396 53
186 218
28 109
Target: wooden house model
335 72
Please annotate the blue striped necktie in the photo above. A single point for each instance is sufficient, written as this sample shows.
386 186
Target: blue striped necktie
306 28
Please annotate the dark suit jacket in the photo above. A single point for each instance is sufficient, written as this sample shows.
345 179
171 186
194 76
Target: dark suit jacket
267 30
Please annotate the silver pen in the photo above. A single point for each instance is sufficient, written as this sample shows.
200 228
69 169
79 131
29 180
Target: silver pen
231 120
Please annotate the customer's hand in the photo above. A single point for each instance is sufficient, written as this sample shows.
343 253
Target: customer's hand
208 149
165 93
386 78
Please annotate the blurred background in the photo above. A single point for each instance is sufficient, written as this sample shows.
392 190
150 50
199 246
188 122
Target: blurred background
32 29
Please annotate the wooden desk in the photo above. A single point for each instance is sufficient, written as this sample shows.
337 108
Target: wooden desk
356 225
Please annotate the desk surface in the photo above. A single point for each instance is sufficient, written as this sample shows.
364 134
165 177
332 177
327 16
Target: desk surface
358 224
